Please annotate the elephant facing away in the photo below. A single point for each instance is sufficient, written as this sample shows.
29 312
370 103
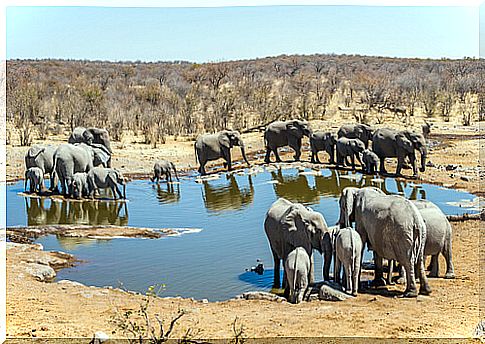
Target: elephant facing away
393 228
164 168
370 161
290 225
288 133
389 143
347 247
90 136
297 270
35 176
214 146
359 131
323 141
349 148
42 156
80 187
104 178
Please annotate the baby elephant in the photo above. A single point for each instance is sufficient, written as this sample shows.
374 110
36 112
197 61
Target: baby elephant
36 177
102 178
297 269
323 141
370 160
347 247
164 168
79 185
349 148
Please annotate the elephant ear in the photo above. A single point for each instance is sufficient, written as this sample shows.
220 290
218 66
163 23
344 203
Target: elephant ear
294 129
404 143
224 140
101 154
294 226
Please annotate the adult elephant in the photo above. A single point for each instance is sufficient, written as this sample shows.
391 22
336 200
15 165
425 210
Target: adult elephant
290 225
288 133
90 136
392 227
214 146
359 131
42 156
390 143
73 158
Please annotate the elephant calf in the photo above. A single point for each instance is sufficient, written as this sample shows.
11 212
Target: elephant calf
370 161
103 178
323 141
349 148
79 185
164 168
36 177
297 270
347 246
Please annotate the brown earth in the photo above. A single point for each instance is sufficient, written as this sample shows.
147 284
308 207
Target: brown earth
43 309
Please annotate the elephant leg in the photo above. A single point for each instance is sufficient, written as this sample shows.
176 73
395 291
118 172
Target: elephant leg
450 270
412 160
311 275
312 159
424 287
355 275
348 276
411 290
336 270
202 168
266 157
275 151
352 158
378 273
297 150
276 274
434 266
382 167
326 265
390 265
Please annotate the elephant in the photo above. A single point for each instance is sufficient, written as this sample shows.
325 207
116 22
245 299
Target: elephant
392 227
214 146
370 161
73 158
426 129
289 225
42 156
103 178
389 143
80 185
35 176
359 131
347 247
349 148
320 141
288 133
90 136
229 196
297 269
164 168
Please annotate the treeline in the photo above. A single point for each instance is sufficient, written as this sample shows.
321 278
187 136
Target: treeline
182 98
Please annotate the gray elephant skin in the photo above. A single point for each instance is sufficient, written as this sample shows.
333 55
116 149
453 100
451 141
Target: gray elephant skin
359 131
323 141
104 178
214 146
370 161
35 176
392 227
348 249
42 156
389 143
163 168
70 159
289 225
297 270
80 186
90 136
349 148
288 133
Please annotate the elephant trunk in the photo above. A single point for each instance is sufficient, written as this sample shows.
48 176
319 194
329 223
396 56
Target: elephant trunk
424 154
243 152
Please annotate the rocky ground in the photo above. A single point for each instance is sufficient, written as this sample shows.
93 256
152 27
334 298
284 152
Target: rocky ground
37 307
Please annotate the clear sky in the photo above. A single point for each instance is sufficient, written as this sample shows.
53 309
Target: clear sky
228 33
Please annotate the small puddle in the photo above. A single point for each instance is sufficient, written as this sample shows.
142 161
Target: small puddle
230 210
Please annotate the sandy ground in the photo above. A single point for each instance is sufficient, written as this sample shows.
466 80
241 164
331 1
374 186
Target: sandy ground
43 309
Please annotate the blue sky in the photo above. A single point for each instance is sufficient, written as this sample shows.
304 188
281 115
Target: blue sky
228 33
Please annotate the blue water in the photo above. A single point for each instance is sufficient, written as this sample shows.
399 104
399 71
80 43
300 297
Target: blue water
229 211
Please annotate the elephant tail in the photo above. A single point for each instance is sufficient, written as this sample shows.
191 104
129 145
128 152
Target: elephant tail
419 236
294 275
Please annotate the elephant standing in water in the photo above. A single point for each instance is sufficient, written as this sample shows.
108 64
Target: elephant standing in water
297 269
289 133
389 143
104 178
290 225
164 168
42 156
214 146
90 136
35 176
359 131
323 141
392 227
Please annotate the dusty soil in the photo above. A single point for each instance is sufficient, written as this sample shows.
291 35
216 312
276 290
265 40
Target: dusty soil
41 309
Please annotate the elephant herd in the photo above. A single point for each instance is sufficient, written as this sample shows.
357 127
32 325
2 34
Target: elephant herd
81 167
350 143
393 227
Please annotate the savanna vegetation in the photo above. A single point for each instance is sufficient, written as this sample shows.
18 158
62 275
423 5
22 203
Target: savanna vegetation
185 99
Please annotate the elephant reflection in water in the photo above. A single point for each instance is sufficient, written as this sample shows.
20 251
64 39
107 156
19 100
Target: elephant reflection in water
50 212
417 192
167 193
229 196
